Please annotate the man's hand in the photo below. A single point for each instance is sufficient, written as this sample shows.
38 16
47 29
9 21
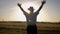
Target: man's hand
44 1
19 5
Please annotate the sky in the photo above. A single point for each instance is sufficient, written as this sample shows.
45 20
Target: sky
9 11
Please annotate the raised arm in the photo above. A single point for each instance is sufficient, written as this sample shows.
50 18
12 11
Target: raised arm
22 9
43 2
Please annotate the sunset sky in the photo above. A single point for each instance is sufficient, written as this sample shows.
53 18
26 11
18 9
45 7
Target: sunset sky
9 11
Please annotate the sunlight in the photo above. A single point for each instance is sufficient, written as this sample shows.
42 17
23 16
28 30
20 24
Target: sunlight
28 4
19 14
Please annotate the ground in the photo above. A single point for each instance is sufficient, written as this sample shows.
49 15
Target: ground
20 28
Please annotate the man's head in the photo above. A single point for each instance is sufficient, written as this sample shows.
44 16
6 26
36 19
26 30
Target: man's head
31 9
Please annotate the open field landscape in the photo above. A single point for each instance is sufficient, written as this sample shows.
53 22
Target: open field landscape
17 27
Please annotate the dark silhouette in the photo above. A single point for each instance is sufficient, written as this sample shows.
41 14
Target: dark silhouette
31 18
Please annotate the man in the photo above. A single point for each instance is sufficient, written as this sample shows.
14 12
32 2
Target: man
31 18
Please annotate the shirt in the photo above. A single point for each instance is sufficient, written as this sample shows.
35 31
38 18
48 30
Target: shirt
31 18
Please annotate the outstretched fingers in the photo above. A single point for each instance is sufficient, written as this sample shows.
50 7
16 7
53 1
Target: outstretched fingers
19 4
44 1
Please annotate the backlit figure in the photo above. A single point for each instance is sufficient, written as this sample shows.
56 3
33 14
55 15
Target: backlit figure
31 18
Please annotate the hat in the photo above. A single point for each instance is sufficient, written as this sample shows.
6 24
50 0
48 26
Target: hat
30 8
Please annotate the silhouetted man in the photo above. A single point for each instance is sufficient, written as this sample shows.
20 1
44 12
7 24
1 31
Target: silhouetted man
31 18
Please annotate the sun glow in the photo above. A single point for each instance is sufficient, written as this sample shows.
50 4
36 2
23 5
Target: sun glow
19 14
28 4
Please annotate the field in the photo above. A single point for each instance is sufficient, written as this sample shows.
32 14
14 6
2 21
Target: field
14 27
